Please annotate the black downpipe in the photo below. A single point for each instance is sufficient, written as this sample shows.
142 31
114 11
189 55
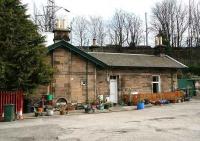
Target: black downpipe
86 73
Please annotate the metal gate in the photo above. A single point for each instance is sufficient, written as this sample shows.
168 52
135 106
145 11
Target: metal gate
10 97
187 85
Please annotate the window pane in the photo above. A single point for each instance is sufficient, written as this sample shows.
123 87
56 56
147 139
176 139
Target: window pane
155 78
113 77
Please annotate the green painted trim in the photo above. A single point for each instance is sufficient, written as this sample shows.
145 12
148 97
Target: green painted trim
145 67
74 49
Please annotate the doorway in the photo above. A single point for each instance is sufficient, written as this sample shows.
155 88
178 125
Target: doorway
113 89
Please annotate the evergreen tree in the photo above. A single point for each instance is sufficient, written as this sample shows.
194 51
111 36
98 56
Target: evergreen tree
23 57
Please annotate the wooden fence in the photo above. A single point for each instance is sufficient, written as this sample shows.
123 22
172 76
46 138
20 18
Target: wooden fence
10 97
171 96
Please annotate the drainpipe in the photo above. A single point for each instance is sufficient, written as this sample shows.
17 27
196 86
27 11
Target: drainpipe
172 82
95 84
86 73
69 77
51 84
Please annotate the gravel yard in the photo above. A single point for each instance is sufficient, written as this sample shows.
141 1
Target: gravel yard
174 122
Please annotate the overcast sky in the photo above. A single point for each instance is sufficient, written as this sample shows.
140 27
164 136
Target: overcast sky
104 8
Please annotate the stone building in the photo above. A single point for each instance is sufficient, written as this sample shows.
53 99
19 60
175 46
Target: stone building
82 76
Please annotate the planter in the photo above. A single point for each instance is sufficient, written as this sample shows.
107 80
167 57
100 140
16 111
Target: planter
101 107
49 112
62 112
87 110
140 106
40 110
106 106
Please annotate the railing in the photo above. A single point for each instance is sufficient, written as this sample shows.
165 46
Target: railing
171 96
11 97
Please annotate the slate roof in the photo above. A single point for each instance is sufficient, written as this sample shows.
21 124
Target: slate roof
66 45
137 60
104 59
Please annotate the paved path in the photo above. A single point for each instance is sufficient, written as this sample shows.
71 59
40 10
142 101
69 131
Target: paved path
173 122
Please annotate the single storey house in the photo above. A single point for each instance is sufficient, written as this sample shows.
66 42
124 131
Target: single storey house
82 76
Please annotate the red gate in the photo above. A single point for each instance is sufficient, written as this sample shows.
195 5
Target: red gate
11 97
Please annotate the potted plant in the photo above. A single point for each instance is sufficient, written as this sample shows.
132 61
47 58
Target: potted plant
94 105
107 105
101 106
49 110
62 109
87 108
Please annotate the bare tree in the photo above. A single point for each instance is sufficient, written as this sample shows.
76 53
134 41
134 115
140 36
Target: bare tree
181 24
133 26
195 24
162 18
125 29
118 26
111 36
171 18
80 30
39 17
97 29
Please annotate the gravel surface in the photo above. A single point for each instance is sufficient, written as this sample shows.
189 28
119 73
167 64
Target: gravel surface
172 122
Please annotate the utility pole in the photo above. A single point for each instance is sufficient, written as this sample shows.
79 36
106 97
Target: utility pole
190 34
146 28
190 26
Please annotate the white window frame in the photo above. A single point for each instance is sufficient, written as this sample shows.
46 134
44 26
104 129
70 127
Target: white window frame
156 82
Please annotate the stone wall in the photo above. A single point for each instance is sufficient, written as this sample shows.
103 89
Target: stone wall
78 80
136 80
74 77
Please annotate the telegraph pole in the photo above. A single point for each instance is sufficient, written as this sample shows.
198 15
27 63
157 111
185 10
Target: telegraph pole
190 26
146 28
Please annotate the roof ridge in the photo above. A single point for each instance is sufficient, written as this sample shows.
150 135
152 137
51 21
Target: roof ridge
121 53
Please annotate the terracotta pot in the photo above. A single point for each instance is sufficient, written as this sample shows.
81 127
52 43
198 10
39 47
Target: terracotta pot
40 110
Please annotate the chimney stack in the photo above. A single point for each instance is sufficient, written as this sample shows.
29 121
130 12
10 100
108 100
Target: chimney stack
94 42
159 48
61 32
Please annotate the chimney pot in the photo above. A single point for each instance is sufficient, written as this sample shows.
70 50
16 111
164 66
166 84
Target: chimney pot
159 50
61 34
94 42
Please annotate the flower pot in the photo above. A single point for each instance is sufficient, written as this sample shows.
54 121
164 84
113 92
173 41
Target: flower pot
87 108
101 107
49 112
140 106
106 106
40 110
62 112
